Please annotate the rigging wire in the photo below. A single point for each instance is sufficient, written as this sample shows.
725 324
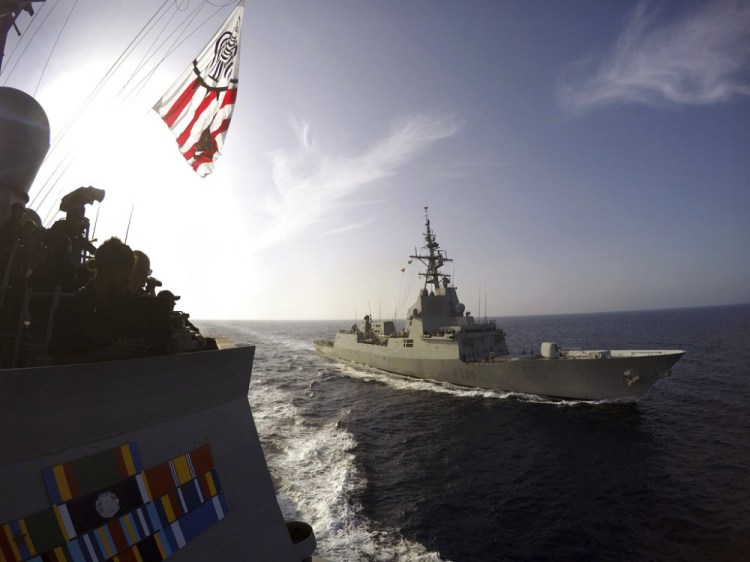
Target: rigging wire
141 84
47 14
52 50
97 88
138 86
146 56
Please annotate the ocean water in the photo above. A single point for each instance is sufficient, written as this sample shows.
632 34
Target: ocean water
387 468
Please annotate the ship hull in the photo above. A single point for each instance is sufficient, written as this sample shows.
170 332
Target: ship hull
626 374
161 409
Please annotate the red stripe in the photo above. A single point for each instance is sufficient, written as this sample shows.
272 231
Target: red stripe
204 160
174 499
5 548
230 96
188 154
181 103
207 100
121 468
70 477
128 555
118 535
201 459
159 480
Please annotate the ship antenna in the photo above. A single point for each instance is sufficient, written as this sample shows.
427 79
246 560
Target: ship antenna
434 259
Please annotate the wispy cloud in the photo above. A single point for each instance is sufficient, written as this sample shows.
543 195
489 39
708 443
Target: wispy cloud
701 58
312 182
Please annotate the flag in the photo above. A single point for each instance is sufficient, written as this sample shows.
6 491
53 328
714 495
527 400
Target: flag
198 107
107 507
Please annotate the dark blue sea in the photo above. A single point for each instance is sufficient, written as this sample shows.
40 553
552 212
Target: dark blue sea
387 468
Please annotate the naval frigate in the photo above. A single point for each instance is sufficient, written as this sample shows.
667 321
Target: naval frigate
443 342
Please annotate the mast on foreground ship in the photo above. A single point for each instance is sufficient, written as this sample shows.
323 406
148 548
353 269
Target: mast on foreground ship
444 343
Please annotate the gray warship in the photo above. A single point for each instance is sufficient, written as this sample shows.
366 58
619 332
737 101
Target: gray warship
442 342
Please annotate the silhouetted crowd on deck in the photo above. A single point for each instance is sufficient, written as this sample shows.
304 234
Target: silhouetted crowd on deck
85 303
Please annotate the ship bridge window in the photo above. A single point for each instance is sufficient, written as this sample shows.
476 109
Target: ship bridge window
408 343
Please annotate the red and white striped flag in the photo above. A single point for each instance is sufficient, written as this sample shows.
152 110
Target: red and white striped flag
198 107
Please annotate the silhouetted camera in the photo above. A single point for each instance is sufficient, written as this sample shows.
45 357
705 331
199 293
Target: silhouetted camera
75 200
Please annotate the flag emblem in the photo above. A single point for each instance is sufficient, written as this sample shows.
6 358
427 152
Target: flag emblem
107 507
198 107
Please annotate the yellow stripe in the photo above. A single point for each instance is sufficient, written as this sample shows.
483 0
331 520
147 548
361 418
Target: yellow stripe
26 537
168 508
116 559
59 554
62 482
130 530
128 458
211 485
182 469
60 522
137 554
145 485
105 542
157 538
11 542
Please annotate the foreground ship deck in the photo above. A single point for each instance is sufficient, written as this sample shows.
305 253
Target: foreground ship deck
444 343
157 455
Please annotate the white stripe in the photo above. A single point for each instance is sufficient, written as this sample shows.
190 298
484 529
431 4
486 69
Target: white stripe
182 500
70 530
90 548
200 492
174 474
145 526
199 126
198 129
190 465
178 534
142 488
217 507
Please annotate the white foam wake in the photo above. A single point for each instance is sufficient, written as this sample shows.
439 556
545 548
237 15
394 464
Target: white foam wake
401 382
317 480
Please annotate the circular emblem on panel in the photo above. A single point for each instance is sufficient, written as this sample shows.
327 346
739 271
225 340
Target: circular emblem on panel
107 504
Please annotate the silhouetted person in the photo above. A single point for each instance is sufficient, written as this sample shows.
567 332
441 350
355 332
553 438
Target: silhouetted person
141 284
90 326
10 230
74 227
55 270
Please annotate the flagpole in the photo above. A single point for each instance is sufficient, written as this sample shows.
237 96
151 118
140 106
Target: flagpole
127 230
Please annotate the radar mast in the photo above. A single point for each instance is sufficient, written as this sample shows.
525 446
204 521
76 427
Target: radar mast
434 259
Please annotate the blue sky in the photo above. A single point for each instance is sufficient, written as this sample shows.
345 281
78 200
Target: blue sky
576 156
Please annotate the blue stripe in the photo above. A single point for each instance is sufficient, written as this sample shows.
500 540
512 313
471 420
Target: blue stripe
15 526
51 483
75 551
216 480
190 495
137 514
170 537
168 549
153 517
130 519
98 555
195 522
100 541
223 502
136 454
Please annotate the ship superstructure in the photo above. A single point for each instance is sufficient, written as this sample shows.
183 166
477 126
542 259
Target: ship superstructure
444 342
